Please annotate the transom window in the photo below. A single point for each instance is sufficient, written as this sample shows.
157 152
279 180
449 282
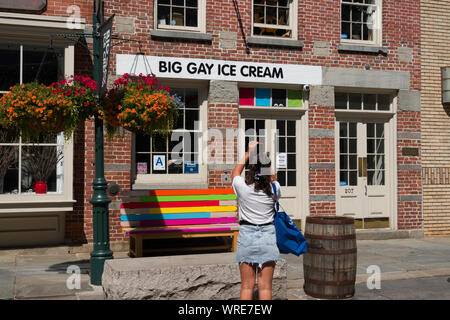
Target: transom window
360 20
178 153
363 101
274 18
180 14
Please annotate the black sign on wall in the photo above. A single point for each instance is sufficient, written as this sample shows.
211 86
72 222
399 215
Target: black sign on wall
29 6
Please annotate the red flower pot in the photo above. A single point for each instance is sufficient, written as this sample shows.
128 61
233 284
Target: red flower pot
40 187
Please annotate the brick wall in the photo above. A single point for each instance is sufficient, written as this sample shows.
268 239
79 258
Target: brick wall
435 117
318 23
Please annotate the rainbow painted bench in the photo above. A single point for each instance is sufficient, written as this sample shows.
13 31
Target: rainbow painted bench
168 214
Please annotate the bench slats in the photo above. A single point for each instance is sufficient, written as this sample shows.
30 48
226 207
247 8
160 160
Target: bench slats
176 222
160 214
190 192
206 197
171 204
191 228
183 210
168 216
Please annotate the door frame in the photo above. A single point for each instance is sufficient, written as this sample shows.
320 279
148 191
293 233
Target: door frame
391 164
285 113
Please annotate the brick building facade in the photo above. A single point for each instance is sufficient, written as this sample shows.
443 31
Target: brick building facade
350 120
435 119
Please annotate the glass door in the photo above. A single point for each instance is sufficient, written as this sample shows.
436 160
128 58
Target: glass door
362 190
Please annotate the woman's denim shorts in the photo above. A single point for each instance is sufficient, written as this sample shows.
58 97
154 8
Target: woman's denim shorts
257 245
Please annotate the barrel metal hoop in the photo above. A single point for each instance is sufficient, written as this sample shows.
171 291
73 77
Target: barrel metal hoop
345 237
331 252
322 296
330 283
324 220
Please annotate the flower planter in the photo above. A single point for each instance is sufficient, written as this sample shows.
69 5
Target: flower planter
140 104
36 110
40 187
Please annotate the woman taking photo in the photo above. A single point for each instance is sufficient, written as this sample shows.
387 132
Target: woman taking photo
257 249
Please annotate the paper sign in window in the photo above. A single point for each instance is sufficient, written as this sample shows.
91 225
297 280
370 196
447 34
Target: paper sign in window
159 163
282 161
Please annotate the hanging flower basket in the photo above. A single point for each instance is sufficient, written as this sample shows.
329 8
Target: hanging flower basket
80 91
36 110
140 104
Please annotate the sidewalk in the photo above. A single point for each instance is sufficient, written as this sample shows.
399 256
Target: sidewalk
410 269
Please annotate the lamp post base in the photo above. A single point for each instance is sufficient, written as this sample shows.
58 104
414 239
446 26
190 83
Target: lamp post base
98 259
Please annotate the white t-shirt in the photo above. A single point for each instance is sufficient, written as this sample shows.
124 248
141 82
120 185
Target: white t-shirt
254 207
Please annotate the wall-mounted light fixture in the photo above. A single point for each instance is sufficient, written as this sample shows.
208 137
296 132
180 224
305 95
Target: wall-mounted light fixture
445 76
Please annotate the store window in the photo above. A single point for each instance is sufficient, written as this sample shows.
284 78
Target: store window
179 153
275 18
22 165
361 20
187 15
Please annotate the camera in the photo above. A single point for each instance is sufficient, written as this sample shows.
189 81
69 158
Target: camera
306 87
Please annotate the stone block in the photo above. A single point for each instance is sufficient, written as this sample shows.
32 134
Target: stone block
409 100
125 25
184 277
321 48
375 79
227 40
223 91
322 96
405 54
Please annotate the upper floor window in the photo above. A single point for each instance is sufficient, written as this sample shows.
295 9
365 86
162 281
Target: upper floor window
275 18
361 21
184 15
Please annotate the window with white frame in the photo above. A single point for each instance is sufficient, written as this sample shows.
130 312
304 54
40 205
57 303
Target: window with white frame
275 18
179 153
22 165
361 21
183 15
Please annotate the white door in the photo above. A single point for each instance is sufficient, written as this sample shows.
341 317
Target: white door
281 139
363 178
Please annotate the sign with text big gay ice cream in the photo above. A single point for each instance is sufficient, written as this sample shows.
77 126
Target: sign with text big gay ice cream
202 69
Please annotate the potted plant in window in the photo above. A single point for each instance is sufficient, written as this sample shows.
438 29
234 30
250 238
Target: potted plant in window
140 104
40 163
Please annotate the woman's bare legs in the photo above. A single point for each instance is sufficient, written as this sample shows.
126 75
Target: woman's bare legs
248 279
265 276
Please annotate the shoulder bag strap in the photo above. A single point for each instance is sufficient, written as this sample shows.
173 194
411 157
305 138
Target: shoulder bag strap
277 205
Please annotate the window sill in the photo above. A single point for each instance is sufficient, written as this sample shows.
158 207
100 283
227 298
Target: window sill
362 48
289 43
49 205
180 35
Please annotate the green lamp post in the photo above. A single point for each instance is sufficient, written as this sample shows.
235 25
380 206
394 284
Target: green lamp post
100 200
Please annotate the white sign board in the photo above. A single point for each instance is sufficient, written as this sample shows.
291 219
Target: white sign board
159 163
282 161
202 69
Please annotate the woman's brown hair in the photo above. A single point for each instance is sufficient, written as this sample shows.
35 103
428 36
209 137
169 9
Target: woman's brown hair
260 175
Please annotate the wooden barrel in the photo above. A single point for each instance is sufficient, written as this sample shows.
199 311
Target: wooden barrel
329 265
